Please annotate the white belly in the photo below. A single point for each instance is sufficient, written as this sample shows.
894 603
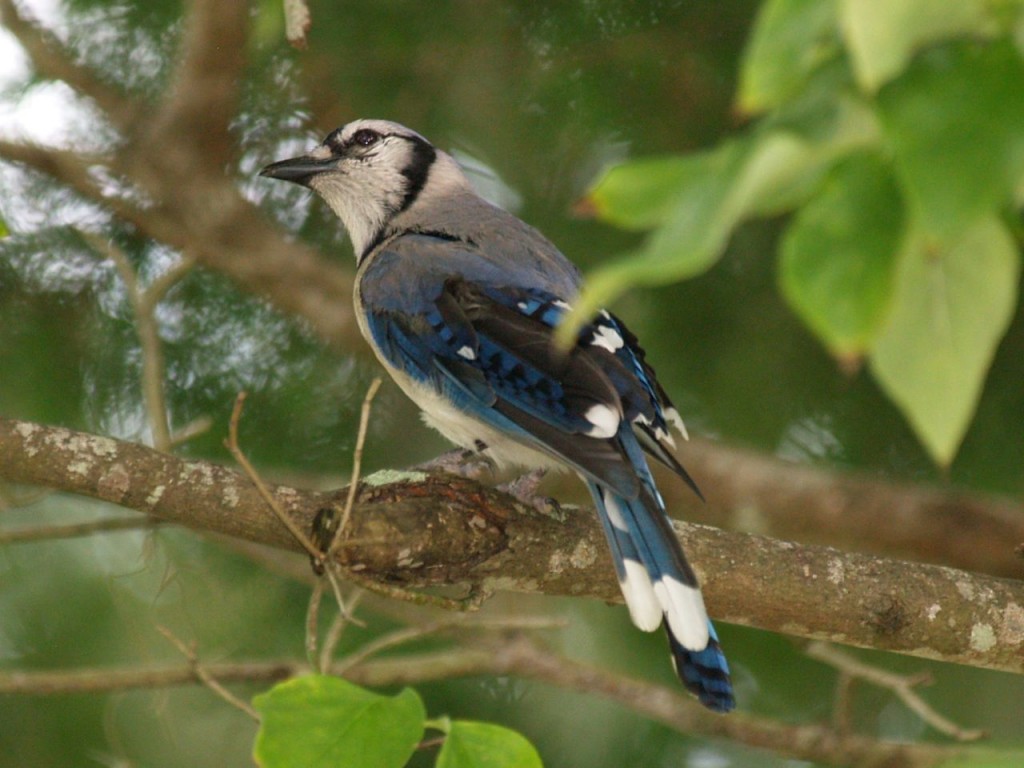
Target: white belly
464 430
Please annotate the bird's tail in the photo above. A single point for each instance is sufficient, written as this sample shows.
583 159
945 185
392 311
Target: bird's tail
658 584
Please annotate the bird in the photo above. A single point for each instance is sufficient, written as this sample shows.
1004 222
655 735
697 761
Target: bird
460 301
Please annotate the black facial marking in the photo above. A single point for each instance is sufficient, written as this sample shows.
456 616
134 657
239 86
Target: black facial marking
423 155
334 141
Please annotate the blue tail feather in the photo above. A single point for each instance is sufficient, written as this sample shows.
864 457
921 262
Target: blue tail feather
704 673
638 530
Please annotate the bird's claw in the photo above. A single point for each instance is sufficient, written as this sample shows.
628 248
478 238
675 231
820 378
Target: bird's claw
524 489
470 464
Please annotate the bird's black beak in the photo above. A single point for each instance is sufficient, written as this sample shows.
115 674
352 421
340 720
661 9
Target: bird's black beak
298 170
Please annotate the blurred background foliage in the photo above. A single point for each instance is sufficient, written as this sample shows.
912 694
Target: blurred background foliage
784 133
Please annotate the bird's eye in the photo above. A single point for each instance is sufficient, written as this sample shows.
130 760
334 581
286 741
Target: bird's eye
365 137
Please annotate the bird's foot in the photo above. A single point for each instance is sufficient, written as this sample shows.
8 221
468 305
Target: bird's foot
524 489
471 464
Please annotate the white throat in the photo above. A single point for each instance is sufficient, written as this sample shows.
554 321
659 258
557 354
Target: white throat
362 215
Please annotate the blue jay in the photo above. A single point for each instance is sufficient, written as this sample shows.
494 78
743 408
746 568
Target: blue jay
459 300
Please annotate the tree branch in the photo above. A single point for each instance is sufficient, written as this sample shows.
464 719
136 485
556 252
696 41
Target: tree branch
47 532
144 302
204 95
420 530
70 168
952 526
518 656
206 218
817 743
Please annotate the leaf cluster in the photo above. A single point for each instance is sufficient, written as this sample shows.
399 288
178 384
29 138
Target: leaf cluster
892 134
320 720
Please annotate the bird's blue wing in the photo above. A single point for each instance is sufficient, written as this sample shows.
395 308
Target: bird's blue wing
512 391
487 344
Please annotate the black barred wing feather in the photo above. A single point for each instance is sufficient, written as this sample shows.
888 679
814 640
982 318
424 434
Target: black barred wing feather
606 344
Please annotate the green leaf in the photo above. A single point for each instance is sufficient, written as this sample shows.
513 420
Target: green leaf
692 237
482 745
790 41
955 124
839 253
793 152
721 187
318 720
951 307
639 194
701 218
882 36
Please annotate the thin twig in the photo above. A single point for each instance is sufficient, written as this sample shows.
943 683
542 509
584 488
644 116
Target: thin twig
390 640
149 341
233 446
144 302
331 574
193 429
27 533
411 634
135 677
337 628
901 685
471 602
842 702
157 290
10 499
205 677
326 560
313 621
321 661
357 465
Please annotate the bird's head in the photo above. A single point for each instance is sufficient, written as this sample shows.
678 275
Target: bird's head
369 172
